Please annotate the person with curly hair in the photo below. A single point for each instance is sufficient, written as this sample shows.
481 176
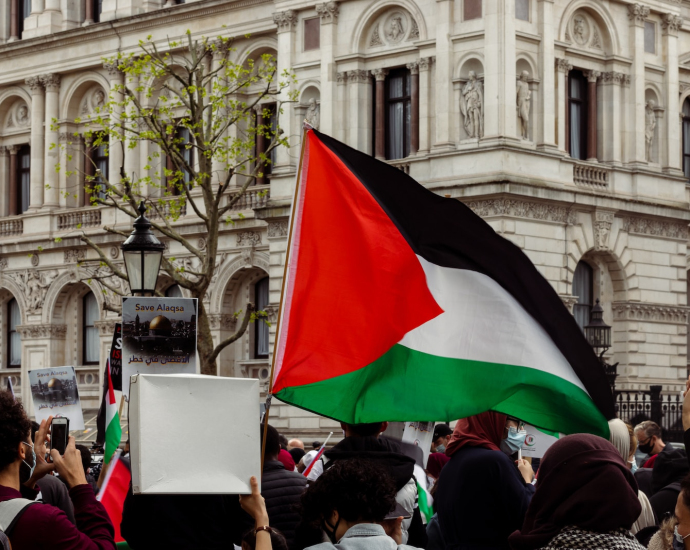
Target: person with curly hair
352 506
31 525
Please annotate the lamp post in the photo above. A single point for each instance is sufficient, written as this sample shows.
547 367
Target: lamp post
598 334
143 253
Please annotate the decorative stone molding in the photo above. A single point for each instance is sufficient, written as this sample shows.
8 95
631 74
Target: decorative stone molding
221 48
50 81
3 263
658 228
18 115
487 208
602 229
358 75
285 20
114 252
341 78
637 14
112 68
34 82
201 243
272 310
34 286
35 260
612 77
671 24
626 80
105 328
569 301
379 74
632 311
375 39
42 331
563 65
4 151
328 12
592 76
248 238
425 63
278 229
413 67
222 321
75 255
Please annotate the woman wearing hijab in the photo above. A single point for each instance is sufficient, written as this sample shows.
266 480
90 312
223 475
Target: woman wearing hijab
482 494
586 498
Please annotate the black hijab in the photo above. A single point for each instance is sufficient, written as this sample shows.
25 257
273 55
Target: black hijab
583 481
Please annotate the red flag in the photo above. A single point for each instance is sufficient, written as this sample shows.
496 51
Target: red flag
114 492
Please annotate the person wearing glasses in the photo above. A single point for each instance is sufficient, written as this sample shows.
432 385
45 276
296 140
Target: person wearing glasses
483 494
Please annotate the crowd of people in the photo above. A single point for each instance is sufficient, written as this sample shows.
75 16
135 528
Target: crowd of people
474 491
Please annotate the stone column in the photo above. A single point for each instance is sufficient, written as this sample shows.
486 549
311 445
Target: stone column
425 96
37 141
260 143
12 209
671 160
414 100
443 86
14 20
343 122
88 18
287 24
360 103
564 67
499 70
132 154
637 13
115 156
611 119
328 12
592 77
51 82
380 143
4 179
545 132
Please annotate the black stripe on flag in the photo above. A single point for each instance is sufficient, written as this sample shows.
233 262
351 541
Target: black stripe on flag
447 233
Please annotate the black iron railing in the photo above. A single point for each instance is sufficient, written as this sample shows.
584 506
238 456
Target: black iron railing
634 407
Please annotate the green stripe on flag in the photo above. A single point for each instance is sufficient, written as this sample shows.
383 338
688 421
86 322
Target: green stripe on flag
426 510
406 385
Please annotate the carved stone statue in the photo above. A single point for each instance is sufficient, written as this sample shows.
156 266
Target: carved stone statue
650 125
22 115
98 99
579 30
472 107
396 31
524 96
34 285
313 115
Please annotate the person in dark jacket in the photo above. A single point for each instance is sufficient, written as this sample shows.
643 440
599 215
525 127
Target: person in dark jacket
669 470
280 488
22 464
483 495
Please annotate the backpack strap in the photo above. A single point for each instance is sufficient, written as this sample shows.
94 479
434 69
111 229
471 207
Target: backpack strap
11 511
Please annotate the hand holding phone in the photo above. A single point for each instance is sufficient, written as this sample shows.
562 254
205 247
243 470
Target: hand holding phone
59 434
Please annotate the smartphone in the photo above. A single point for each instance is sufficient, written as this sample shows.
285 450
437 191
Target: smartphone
59 434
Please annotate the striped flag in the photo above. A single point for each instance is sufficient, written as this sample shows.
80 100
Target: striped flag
113 429
402 305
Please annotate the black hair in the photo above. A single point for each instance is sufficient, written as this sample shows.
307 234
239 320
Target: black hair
272 440
35 426
296 454
15 427
283 441
278 541
85 457
685 490
316 445
366 430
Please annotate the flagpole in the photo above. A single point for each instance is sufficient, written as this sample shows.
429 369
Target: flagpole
305 128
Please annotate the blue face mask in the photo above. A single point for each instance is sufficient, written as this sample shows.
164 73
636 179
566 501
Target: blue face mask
31 466
440 448
678 539
514 441
633 467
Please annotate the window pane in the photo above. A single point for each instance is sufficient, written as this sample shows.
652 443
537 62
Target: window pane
14 351
312 34
395 129
90 309
649 37
577 88
472 9
261 297
686 107
522 9
14 315
91 354
582 288
24 178
576 151
27 8
395 87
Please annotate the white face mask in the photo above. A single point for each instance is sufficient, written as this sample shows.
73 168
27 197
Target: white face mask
513 441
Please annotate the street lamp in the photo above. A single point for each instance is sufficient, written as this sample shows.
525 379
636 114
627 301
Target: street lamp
597 332
143 253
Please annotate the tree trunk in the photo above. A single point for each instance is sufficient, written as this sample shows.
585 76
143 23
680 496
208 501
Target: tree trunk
205 343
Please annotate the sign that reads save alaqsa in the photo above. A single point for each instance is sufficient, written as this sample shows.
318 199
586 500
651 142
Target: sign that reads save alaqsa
158 337
54 392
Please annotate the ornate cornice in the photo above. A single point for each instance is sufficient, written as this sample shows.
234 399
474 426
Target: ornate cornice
569 301
328 12
425 63
50 81
278 229
113 68
515 208
222 321
413 67
42 331
638 13
379 74
563 65
612 77
671 24
248 238
75 255
341 78
358 75
285 20
657 228
592 76
34 82
105 328
657 313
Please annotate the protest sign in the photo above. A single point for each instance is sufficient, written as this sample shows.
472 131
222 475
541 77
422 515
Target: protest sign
173 422
158 337
420 434
116 358
54 392
537 442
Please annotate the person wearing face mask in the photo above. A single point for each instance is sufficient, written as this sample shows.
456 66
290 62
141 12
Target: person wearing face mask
32 525
483 494
441 438
649 441
674 532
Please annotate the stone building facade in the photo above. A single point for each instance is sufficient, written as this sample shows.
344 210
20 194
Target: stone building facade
564 123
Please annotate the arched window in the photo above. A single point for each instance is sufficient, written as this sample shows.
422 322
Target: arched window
260 327
23 178
577 114
173 291
89 330
583 282
686 137
14 342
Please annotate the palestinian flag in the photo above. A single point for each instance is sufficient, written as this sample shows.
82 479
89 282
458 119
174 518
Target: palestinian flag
114 492
113 429
402 305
